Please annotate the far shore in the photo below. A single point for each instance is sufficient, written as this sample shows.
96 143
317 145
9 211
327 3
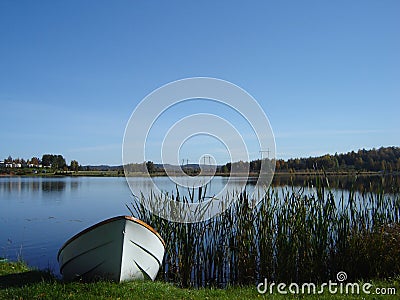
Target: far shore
112 173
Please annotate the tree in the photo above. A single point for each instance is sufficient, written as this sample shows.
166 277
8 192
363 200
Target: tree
150 167
47 160
225 169
35 161
74 166
59 162
55 161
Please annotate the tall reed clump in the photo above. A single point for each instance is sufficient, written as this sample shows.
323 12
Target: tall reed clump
304 234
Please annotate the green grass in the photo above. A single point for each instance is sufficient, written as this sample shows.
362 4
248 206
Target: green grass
17 281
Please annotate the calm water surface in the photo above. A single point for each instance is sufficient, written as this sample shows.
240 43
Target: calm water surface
37 215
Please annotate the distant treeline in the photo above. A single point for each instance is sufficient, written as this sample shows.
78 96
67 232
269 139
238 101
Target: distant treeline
143 167
384 159
55 162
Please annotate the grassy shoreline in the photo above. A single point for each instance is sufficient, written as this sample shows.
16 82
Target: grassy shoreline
18 281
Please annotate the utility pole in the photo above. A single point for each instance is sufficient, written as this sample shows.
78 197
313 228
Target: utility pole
209 162
262 152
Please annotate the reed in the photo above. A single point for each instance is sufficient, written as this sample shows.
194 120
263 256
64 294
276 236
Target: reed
293 235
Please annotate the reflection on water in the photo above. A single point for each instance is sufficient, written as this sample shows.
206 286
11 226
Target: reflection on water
50 191
361 183
19 185
75 185
38 214
53 186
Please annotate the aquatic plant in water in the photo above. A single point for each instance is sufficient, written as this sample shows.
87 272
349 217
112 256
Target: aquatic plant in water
290 236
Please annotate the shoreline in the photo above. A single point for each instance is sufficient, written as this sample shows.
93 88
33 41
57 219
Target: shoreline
162 174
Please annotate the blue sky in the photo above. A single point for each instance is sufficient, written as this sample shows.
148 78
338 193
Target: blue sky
326 73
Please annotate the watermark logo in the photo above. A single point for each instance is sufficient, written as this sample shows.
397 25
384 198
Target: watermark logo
341 276
157 105
331 287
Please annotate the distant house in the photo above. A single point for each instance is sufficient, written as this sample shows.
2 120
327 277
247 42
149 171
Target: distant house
35 165
13 165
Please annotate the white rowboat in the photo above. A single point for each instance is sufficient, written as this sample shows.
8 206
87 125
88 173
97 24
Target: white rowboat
119 249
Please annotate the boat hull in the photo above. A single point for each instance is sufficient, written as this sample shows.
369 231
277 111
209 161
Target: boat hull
118 249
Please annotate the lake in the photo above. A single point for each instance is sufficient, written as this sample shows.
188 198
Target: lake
38 214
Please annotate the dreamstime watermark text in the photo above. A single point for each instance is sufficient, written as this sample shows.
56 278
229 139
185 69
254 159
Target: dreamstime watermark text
332 287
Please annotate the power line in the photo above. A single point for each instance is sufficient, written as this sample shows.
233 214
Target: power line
263 151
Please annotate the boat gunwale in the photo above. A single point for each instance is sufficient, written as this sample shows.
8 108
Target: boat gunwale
129 218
